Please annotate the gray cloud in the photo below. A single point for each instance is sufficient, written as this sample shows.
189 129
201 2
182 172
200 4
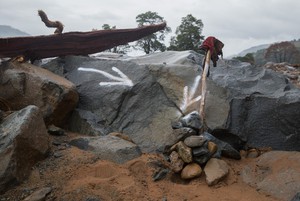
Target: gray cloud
238 23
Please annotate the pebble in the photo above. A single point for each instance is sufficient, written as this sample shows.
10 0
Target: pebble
57 154
202 159
176 162
212 147
184 151
194 141
200 151
191 171
53 130
253 153
184 132
160 174
192 120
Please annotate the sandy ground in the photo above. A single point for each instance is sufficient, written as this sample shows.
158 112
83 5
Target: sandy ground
74 174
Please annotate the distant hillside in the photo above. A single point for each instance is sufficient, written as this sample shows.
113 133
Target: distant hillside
253 49
8 31
259 51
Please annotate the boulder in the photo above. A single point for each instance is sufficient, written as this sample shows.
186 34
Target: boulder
24 141
23 84
142 96
108 147
264 105
143 111
275 173
215 170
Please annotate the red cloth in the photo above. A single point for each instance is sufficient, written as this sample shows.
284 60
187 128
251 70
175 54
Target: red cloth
215 46
209 44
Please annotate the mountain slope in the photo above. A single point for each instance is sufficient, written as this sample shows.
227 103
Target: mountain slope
8 31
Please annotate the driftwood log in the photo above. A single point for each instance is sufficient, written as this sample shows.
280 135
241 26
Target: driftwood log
72 43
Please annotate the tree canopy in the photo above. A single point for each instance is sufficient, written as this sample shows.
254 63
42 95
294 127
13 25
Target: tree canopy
247 58
282 52
188 35
153 42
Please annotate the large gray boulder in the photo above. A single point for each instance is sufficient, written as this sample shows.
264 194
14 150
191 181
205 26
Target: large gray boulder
264 106
255 104
143 111
23 142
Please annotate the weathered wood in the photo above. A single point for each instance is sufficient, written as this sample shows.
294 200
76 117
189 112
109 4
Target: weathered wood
203 87
56 24
72 43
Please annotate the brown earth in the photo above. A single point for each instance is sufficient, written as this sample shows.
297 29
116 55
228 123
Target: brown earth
74 174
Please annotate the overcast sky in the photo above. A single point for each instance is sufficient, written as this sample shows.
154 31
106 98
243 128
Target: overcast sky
240 24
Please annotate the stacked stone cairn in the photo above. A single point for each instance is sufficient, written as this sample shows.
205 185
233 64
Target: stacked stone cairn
195 152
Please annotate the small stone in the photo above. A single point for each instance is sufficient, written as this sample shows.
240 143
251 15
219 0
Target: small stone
184 152
39 195
215 170
194 141
184 132
212 147
192 120
199 151
57 154
202 159
53 130
176 162
253 153
160 174
176 124
191 171
56 143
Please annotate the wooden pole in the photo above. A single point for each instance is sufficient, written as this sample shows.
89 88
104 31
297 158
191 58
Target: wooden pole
203 88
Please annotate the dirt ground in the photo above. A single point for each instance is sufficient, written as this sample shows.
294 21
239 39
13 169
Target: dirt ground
74 174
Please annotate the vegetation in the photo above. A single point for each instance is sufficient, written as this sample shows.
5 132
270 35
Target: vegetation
121 49
282 52
188 35
153 42
247 58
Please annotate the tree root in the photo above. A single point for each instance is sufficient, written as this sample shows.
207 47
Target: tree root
56 24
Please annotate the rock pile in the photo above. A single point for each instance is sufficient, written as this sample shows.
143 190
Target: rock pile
292 72
194 153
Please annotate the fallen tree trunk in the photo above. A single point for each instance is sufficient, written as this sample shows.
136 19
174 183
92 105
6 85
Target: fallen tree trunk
72 43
